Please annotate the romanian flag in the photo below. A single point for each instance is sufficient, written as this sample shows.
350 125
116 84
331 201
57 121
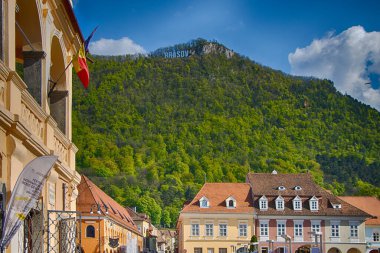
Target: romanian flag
80 66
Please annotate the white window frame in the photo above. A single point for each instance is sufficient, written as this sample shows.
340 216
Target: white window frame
335 229
203 201
280 204
297 203
224 229
376 236
315 226
228 200
264 228
194 229
243 229
298 230
209 231
281 228
313 203
263 202
354 229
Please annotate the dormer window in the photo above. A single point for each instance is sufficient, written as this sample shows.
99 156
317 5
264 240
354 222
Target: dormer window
230 202
313 202
281 188
280 203
297 203
298 188
204 203
263 201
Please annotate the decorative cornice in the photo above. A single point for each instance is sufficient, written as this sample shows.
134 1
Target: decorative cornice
16 79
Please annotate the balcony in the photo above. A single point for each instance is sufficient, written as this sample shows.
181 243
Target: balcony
29 122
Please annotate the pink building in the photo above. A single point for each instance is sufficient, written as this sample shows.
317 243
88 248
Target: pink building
292 212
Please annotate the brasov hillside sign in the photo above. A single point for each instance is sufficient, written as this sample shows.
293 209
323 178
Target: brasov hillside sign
177 54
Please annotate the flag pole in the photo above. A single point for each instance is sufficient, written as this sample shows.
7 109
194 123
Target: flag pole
60 76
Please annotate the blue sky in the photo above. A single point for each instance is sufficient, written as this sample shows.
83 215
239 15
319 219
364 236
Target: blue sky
336 39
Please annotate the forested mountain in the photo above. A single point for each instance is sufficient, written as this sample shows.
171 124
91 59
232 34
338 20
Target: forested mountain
150 130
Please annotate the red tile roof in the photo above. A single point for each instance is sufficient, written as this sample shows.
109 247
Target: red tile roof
368 204
217 193
268 184
90 196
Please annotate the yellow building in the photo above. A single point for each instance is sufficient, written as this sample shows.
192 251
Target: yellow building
105 225
218 220
38 40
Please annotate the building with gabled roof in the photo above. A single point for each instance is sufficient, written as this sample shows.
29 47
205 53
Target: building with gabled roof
370 205
106 225
219 219
291 208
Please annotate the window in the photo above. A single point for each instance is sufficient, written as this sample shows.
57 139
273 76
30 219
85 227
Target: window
210 250
195 229
222 250
197 250
264 229
376 236
313 202
297 204
280 203
209 229
203 202
280 228
281 188
298 188
264 250
353 230
315 227
263 203
298 229
90 231
230 202
222 229
243 229
334 230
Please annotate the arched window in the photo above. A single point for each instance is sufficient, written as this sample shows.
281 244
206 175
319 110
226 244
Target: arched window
90 231
231 203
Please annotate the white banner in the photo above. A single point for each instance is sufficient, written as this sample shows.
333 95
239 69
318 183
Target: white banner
25 195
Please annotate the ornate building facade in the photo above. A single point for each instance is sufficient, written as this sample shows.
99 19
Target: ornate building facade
38 40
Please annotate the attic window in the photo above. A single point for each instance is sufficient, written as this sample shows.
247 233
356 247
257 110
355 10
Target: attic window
313 202
298 188
281 188
337 206
297 203
263 201
230 202
203 202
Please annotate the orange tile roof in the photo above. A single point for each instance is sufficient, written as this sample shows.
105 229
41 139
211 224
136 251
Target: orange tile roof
217 193
368 204
90 196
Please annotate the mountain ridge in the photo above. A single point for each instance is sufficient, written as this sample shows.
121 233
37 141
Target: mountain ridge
151 129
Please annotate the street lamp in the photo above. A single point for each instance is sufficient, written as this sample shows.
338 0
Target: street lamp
288 239
317 234
270 244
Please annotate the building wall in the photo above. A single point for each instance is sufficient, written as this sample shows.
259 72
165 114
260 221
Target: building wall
27 127
230 242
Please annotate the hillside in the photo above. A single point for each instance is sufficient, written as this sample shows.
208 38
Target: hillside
151 129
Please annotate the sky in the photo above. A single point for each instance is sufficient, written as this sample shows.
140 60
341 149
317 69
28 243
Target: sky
334 39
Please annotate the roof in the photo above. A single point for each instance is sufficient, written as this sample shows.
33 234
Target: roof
217 193
90 196
267 184
368 204
137 216
73 19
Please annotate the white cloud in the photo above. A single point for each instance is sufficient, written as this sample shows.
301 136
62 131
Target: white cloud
122 46
347 59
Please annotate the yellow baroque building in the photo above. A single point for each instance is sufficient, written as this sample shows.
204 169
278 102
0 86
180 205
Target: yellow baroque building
218 220
38 41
